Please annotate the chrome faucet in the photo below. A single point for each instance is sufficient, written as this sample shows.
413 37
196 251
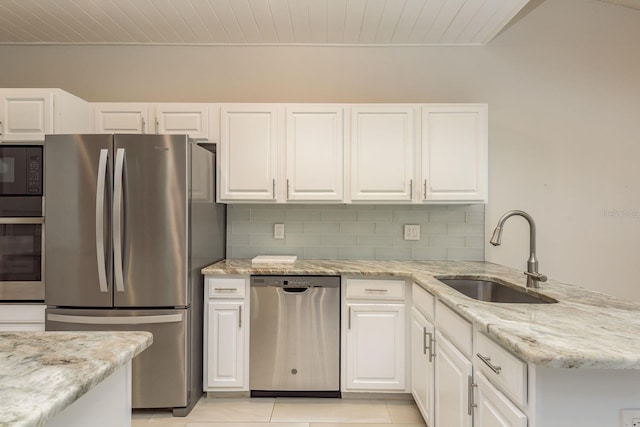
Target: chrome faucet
533 277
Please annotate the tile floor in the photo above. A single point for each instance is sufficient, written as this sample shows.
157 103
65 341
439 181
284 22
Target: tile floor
288 412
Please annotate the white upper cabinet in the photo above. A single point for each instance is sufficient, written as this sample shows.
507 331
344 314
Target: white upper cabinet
189 119
454 152
248 153
114 117
382 147
25 117
314 152
169 118
30 114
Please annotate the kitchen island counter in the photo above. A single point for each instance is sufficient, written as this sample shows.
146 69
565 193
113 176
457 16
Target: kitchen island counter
43 373
584 329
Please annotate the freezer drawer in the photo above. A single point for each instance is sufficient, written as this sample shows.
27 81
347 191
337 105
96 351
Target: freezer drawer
159 373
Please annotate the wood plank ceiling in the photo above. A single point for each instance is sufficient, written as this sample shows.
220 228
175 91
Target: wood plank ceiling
256 22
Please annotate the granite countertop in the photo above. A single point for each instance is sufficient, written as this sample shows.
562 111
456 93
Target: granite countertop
584 329
41 373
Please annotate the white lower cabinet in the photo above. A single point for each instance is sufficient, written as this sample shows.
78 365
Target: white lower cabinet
470 380
375 347
422 364
493 409
226 344
226 335
374 327
21 317
453 379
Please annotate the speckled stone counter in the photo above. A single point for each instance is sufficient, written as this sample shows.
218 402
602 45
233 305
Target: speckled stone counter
584 329
42 373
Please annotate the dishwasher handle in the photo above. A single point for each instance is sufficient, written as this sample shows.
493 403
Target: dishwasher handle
295 290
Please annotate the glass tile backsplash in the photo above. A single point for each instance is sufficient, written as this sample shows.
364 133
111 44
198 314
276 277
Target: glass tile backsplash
451 232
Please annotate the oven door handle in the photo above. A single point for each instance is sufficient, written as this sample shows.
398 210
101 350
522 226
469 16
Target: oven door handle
23 220
100 192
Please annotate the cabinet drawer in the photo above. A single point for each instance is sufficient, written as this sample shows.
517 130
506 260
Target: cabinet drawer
453 326
511 375
423 301
375 289
225 287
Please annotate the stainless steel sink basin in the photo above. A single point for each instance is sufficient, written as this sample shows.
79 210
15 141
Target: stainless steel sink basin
492 291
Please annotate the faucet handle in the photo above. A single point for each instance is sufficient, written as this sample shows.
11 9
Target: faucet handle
536 276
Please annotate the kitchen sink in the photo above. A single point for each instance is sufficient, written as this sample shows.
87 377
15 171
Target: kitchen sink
491 291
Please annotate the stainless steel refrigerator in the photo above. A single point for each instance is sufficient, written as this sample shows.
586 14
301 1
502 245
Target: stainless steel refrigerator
129 222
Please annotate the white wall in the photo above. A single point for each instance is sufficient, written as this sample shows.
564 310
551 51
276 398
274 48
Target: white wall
564 102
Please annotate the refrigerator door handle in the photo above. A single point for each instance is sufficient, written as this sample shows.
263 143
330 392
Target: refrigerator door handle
100 192
116 320
117 220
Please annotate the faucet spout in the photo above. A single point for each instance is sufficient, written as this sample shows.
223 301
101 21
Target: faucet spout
533 277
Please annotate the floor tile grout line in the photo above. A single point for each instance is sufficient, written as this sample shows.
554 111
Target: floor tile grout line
273 408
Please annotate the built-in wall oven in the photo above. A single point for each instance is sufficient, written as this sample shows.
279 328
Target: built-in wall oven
21 223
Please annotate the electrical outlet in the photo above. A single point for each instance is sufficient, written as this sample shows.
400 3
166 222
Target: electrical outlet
630 418
278 231
411 232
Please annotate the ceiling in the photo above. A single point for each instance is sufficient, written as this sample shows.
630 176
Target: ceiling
256 22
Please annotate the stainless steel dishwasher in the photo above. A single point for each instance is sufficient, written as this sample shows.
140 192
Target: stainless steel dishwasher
295 336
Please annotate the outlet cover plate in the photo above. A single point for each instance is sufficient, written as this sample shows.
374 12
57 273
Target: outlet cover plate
630 418
278 231
411 232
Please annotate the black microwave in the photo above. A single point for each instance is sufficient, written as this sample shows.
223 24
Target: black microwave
21 182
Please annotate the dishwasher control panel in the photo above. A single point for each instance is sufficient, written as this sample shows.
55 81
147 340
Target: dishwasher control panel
296 281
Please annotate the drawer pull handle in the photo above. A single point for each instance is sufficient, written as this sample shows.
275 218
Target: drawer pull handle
380 291
224 289
487 361
240 317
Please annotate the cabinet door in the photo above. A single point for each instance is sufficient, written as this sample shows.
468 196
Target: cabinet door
454 153
248 153
422 364
494 409
21 317
315 144
183 119
453 383
122 118
382 141
25 116
225 342
375 352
